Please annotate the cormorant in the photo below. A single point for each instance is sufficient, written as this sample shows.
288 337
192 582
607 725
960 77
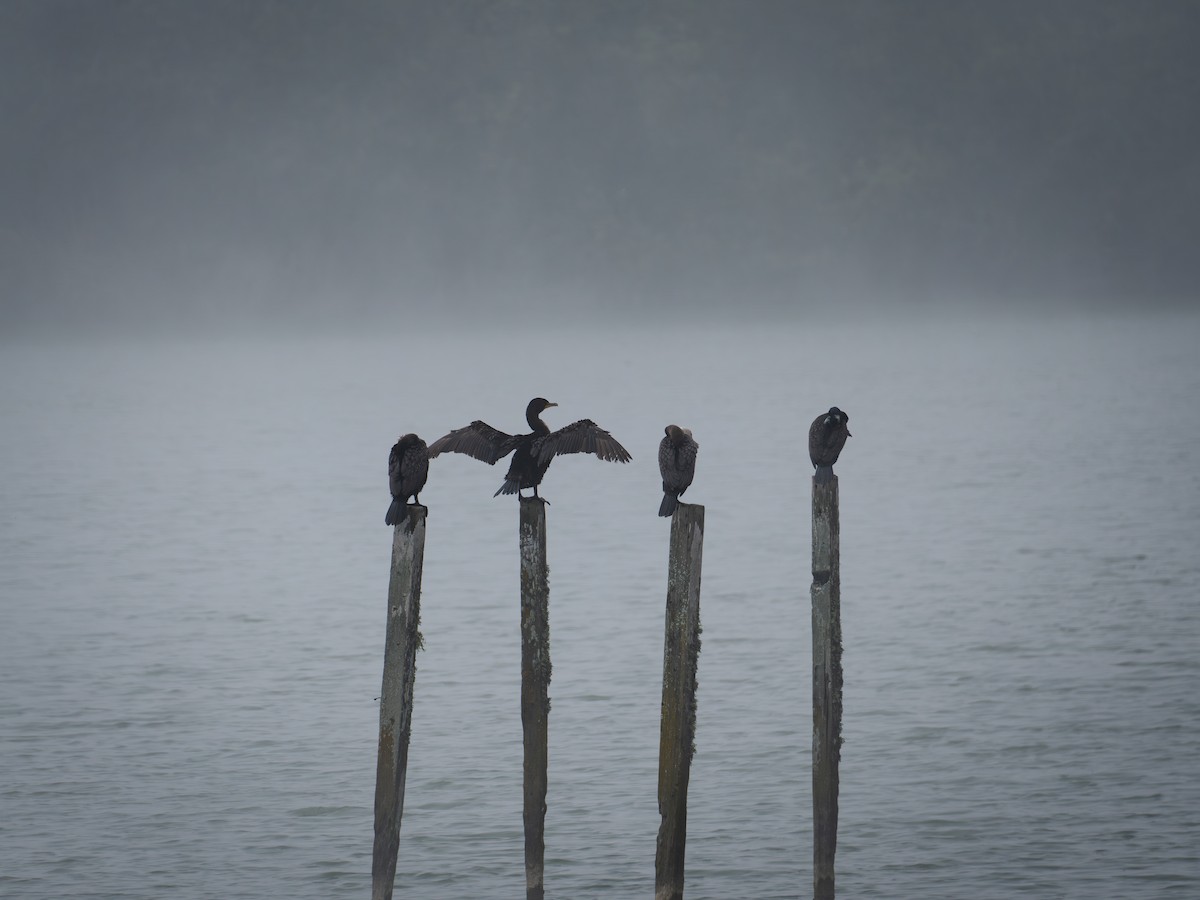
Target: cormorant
408 467
531 452
677 464
826 437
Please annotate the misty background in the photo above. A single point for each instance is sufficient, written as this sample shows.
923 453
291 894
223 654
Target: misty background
275 164
245 245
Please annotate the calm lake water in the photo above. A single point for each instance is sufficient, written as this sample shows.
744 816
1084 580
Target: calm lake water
193 575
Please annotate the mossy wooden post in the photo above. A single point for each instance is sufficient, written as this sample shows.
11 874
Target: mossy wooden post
677 735
395 701
535 688
827 678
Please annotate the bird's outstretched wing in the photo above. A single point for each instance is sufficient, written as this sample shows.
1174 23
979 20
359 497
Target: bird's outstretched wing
479 440
584 436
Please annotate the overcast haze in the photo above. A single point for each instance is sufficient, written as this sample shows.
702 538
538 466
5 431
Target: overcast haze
193 556
232 164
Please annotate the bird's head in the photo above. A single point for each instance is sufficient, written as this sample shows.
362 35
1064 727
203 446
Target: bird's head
537 404
835 418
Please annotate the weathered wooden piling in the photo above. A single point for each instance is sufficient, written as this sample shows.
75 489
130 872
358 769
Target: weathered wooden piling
535 688
827 678
395 701
677 735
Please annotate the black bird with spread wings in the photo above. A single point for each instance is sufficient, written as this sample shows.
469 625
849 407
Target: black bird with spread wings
408 467
677 465
532 452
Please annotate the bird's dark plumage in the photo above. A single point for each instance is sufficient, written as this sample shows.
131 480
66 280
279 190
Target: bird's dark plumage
531 452
826 437
677 465
408 467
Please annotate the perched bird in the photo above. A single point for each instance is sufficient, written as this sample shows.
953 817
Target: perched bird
826 437
677 464
408 467
531 452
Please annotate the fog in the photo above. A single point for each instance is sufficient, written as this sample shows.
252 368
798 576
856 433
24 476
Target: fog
231 166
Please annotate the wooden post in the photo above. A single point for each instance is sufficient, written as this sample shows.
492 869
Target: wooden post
677 736
395 701
827 678
535 688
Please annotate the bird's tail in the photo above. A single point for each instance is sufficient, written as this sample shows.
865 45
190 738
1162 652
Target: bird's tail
669 502
510 486
395 512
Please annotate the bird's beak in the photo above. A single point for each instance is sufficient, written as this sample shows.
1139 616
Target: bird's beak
848 434
548 405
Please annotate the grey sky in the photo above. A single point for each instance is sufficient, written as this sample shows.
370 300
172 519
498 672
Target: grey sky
247 163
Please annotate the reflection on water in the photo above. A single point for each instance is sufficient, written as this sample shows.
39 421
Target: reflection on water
193 574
